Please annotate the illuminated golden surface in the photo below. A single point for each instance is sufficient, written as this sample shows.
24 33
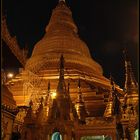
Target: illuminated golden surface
53 95
61 38
48 110
7 97
10 75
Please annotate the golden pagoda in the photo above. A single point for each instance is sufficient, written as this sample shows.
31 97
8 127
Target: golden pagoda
61 37
53 107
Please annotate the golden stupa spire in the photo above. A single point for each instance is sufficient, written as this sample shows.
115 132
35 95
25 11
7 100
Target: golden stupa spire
49 86
60 108
129 112
80 105
61 88
110 105
130 82
80 99
130 101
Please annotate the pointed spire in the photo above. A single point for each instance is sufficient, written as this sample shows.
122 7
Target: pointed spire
80 99
49 86
112 83
130 82
110 105
61 62
60 107
131 98
61 85
80 105
68 86
79 84
61 69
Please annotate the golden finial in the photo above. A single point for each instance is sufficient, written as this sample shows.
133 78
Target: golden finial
130 82
80 99
79 84
80 105
49 86
61 68
68 86
112 83
110 105
61 84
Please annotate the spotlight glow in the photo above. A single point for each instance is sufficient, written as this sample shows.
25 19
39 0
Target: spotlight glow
53 95
10 75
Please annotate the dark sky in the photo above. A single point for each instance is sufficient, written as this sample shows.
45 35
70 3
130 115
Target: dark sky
106 27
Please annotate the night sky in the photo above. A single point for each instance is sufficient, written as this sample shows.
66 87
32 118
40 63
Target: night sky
106 27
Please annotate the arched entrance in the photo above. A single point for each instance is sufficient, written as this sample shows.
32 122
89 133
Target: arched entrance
56 136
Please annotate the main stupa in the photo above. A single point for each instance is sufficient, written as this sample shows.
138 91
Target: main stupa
61 38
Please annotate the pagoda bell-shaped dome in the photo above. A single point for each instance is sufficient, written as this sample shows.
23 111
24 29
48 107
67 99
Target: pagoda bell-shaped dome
61 37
